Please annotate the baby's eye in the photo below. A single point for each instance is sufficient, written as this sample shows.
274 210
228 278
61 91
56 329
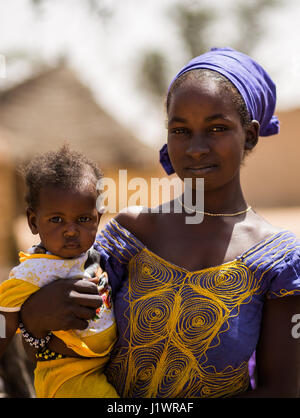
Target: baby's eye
84 219
56 219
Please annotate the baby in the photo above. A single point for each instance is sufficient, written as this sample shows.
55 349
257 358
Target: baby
61 198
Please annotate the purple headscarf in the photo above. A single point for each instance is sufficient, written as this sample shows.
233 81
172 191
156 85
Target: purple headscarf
252 82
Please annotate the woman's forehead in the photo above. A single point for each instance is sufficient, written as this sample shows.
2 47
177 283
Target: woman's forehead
207 95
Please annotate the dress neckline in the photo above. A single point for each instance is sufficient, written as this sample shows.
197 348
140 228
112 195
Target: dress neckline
183 269
163 261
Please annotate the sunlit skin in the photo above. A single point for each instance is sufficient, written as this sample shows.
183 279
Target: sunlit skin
206 139
67 223
201 144
66 220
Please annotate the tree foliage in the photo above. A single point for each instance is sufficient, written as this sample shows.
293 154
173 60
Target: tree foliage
192 22
152 73
251 23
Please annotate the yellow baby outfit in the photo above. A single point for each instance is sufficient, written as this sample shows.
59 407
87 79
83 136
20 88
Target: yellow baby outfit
66 377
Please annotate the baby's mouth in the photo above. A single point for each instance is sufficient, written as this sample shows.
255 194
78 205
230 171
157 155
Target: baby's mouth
72 245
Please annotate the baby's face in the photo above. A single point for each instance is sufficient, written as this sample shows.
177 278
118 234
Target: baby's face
67 221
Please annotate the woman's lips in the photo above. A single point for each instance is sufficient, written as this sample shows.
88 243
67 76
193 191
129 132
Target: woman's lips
202 169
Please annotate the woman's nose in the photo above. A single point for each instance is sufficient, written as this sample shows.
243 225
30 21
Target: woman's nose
197 146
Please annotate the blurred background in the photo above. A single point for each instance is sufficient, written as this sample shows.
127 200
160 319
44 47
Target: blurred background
95 73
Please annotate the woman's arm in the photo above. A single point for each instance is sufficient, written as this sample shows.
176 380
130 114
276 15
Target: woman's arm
278 351
61 305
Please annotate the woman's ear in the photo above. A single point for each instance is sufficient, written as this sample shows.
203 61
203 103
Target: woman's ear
31 219
252 134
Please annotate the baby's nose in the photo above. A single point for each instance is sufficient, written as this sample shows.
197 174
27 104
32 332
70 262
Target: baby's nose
71 230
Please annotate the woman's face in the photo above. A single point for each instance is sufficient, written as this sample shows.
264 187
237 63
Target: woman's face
205 136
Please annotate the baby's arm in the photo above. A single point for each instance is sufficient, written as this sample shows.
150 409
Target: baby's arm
62 305
8 326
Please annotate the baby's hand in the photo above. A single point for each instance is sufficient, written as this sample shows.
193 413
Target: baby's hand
102 279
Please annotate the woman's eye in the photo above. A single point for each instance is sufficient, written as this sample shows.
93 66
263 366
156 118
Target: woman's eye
218 128
84 219
55 219
180 131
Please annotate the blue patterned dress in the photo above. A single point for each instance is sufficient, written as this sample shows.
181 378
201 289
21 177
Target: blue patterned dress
190 333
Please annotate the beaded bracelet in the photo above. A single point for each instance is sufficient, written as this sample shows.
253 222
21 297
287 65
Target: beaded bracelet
34 342
45 354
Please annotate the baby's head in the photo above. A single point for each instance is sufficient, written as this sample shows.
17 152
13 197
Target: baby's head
61 201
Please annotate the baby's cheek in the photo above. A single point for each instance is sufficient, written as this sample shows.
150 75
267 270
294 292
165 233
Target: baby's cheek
90 236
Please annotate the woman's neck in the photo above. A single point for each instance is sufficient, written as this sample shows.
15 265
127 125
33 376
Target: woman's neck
226 199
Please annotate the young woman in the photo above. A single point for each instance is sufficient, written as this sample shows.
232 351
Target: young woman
193 302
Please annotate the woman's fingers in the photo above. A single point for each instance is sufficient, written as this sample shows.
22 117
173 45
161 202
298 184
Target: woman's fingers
77 323
84 286
59 306
84 294
85 313
85 300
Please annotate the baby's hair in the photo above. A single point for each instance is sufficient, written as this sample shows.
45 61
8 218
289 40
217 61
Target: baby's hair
225 85
64 168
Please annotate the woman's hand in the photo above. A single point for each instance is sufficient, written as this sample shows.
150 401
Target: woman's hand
61 305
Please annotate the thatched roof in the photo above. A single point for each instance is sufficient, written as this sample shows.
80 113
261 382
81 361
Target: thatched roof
53 107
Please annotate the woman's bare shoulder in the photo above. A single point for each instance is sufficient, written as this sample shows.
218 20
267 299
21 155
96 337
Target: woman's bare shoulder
136 219
261 228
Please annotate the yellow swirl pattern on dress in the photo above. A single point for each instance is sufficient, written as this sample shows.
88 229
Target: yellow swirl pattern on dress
174 316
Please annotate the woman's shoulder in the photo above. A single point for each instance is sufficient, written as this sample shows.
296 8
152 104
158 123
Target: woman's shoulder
259 229
264 244
122 236
274 260
138 220
274 245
